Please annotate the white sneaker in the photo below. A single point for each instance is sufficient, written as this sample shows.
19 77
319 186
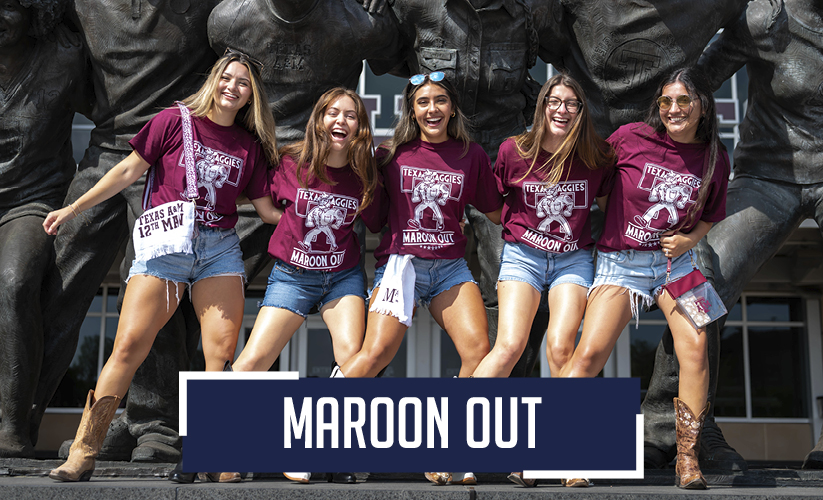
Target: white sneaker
300 477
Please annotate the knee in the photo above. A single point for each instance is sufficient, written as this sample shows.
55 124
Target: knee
560 353
508 352
345 352
221 346
587 362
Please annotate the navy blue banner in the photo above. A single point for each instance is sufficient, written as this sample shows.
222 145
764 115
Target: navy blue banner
415 424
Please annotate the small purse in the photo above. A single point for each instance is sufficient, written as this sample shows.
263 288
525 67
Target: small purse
168 228
695 296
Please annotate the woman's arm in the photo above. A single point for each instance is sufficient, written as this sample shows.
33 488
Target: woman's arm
118 178
495 216
266 210
678 243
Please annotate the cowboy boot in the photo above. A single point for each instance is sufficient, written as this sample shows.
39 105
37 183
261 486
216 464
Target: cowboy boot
90 434
689 427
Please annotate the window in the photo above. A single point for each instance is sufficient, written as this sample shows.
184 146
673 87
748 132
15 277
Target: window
763 357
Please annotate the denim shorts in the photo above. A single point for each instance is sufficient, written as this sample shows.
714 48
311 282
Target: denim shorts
300 290
216 252
545 270
433 277
643 273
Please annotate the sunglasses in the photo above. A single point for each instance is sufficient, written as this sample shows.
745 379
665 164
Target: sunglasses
256 64
572 105
435 76
664 102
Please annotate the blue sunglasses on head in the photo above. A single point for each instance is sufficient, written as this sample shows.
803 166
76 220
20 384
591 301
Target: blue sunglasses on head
435 76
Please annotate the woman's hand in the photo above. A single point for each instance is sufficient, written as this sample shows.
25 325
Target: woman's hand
674 243
56 218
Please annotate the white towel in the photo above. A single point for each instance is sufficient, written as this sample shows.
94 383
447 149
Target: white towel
396 294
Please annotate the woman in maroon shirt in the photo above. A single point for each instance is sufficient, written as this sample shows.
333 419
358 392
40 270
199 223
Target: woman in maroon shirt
213 270
670 187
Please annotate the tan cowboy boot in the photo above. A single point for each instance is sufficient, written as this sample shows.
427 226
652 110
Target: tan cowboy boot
689 427
90 434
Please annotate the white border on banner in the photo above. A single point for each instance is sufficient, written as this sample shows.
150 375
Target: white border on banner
637 473
184 377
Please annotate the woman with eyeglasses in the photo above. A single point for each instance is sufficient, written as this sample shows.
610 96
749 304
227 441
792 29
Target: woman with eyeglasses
324 183
669 188
431 171
231 159
550 176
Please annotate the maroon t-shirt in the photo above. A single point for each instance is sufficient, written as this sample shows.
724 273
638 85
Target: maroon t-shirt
228 162
315 231
656 183
550 218
428 187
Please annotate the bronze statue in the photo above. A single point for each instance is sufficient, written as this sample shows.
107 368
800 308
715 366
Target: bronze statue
777 162
619 51
144 56
42 84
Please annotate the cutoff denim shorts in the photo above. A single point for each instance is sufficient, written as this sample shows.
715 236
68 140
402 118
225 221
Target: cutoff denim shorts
433 277
643 273
545 270
216 252
299 290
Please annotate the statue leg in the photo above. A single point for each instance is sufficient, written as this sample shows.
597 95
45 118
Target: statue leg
84 251
27 252
761 215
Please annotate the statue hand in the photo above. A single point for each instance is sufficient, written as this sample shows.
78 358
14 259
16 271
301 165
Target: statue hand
56 218
374 6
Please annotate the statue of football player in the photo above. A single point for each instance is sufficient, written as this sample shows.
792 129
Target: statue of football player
43 76
778 162
144 55
619 51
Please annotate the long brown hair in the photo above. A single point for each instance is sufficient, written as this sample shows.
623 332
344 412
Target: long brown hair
707 128
581 140
259 119
312 153
407 129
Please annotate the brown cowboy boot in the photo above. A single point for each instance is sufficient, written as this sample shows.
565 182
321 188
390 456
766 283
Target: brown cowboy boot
689 426
90 434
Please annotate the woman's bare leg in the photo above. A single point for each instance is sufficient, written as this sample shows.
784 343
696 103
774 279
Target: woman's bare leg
218 303
273 329
567 303
384 334
460 311
148 304
517 304
346 319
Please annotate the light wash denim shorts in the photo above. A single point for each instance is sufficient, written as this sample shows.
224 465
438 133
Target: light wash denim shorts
433 277
300 290
642 273
545 270
216 253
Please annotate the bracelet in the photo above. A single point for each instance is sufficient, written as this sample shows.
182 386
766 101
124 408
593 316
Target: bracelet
77 214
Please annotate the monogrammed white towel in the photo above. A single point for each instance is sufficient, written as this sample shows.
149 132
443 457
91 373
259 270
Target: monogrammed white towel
396 294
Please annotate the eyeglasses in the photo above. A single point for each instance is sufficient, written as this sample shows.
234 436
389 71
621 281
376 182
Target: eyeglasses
572 105
664 102
435 76
244 57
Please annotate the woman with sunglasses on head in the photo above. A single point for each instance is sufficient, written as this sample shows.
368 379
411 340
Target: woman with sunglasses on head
550 176
669 188
213 270
324 182
431 170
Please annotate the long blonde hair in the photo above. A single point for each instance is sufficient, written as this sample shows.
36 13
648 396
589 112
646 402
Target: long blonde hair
407 128
313 151
581 140
258 119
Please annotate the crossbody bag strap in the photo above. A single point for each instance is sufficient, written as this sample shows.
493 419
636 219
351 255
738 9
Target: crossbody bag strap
188 152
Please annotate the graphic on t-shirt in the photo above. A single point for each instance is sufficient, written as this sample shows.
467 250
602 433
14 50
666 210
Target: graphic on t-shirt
215 169
555 204
430 190
669 191
324 213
